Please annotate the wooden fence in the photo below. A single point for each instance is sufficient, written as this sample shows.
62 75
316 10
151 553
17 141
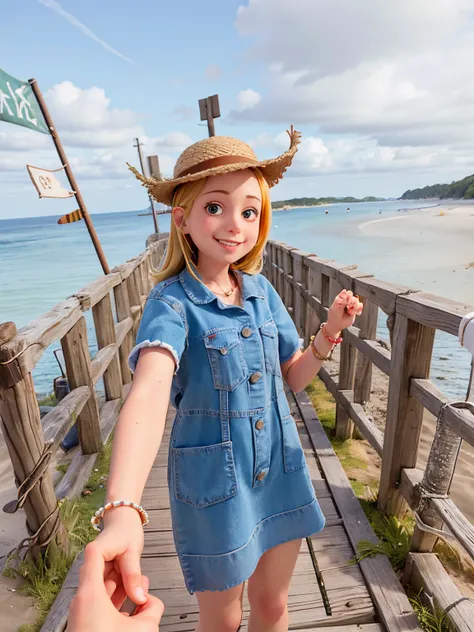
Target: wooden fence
308 284
32 441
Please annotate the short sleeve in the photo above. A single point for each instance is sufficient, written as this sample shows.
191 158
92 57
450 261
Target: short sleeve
288 339
162 325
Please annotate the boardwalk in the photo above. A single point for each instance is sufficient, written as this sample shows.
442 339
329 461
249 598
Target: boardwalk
327 592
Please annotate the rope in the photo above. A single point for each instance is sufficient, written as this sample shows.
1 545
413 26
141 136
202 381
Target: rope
456 603
34 476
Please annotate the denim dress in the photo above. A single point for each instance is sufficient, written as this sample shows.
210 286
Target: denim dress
237 476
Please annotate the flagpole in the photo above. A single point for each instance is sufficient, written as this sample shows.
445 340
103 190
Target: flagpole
70 175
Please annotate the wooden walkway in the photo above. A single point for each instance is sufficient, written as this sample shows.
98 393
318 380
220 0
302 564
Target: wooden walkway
328 591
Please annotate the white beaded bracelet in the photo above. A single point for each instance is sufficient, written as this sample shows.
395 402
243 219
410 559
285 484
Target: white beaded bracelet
99 514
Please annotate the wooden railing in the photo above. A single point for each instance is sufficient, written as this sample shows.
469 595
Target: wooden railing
32 441
308 284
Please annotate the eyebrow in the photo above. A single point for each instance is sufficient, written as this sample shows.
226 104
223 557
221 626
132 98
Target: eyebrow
227 193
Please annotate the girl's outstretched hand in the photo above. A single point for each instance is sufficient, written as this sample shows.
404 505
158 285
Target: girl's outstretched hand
343 311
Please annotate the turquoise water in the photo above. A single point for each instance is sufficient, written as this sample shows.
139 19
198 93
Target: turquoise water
42 263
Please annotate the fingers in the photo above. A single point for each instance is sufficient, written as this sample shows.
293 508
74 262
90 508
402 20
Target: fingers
132 576
93 570
151 612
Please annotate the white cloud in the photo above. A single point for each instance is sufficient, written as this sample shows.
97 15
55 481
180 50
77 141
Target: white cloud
213 73
382 86
248 99
184 112
57 8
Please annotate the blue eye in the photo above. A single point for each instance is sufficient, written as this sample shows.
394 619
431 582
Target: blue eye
247 214
214 209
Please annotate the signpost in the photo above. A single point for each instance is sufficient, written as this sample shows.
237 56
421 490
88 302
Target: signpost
139 147
209 110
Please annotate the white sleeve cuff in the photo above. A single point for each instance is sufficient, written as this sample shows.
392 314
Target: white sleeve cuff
135 352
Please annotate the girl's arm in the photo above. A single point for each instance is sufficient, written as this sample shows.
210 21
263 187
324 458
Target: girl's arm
140 427
303 367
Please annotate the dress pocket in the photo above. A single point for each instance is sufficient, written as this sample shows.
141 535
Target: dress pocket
293 455
269 335
206 475
226 358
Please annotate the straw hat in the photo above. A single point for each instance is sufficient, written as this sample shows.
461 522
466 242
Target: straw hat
214 156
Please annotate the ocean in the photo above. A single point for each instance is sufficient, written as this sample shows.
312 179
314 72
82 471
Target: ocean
42 263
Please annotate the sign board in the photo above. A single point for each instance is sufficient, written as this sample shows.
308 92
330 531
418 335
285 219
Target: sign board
47 185
18 104
75 216
215 109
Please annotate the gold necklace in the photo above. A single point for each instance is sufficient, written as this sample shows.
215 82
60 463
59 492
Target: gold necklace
228 292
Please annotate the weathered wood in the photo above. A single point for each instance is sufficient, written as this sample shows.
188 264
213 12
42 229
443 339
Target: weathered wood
390 599
433 311
312 320
79 373
370 348
409 481
23 433
436 481
133 290
27 347
81 466
381 293
428 575
101 361
122 308
298 256
411 358
105 333
97 290
367 324
135 311
461 421
287 295
122 329
57 422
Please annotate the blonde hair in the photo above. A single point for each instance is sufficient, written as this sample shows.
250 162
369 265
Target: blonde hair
181 252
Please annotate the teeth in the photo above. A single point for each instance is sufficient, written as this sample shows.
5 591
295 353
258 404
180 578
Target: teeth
227 243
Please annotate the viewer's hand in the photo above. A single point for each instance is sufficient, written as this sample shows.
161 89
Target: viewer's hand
99 596
342 312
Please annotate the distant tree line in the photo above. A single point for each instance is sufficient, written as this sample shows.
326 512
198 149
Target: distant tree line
460 189
311 201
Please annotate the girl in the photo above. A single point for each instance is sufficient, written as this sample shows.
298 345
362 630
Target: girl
216 336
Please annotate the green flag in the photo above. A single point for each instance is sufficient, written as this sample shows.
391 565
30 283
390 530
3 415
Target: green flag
18 104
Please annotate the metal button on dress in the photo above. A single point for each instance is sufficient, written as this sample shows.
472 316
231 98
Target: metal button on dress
224 351
259 425
260 476
255 377
246 332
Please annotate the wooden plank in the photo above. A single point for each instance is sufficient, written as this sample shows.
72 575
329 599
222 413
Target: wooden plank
122 329
75 348
367 324
57 422
97 290
389 597
461 421
433 311
29 344
101 361
105 334
80 468
371 349
409 481
426 573
382 293
369 627
125 344
411 357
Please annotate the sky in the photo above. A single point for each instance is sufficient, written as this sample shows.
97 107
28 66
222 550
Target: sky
383 92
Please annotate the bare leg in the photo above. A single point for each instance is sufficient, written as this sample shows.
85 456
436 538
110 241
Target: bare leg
268 588
220 611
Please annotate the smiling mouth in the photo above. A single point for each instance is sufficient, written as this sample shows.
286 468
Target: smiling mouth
227 242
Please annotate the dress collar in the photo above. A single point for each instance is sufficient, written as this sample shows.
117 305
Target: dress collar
200 294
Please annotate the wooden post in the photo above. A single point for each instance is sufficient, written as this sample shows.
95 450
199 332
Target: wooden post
21 426
105 333
436 481
209 110
150 199
70 175
78 369
314 287
133 291
122 306
411 357
298 306
287 296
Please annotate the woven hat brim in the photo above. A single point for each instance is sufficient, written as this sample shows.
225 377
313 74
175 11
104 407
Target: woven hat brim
271 169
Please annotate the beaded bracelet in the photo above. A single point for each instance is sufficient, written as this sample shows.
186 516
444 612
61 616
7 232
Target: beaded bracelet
99 514
334 341
316 353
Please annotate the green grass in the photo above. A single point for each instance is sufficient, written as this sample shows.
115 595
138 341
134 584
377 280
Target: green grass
431 620
48 400
43 581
